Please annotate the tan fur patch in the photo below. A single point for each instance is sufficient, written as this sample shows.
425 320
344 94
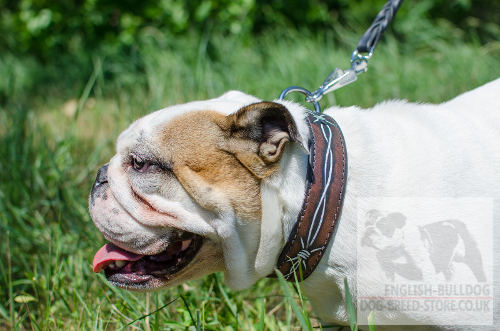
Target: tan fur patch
196 145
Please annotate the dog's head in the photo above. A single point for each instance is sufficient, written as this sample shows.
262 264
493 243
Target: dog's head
383 231
181 198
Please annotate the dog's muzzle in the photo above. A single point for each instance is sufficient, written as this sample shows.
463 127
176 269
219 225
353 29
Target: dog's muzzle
128 269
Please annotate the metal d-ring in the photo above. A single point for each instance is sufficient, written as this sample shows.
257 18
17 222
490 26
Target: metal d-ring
307 93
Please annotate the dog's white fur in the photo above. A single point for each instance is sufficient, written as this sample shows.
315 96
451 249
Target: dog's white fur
399 149
395 149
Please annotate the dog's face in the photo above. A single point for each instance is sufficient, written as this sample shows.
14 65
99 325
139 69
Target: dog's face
181 197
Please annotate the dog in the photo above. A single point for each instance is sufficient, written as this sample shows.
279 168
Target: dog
217 185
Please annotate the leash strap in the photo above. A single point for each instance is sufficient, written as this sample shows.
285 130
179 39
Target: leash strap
369 41
359 58
325 183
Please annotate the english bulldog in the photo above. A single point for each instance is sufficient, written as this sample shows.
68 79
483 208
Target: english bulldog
217 185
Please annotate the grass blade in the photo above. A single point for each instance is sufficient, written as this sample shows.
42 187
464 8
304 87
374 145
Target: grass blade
228 302
299 313
350 307
371 321
151 313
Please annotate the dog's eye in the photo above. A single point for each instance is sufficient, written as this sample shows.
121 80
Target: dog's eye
139 164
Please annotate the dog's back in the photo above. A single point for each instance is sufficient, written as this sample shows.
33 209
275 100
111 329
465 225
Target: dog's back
406 149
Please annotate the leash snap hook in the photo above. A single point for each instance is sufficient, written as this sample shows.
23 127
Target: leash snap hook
336 79
359 62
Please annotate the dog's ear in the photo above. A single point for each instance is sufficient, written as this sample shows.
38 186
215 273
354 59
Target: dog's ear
257 135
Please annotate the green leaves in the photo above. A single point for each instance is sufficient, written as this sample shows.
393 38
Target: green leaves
46 28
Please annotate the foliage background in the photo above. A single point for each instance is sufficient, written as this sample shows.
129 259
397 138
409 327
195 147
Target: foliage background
73 74
46 28
49 37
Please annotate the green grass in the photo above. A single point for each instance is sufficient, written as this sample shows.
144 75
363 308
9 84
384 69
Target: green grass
56 131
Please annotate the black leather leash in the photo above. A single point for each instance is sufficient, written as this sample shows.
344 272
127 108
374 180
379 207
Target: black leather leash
359 58
369 41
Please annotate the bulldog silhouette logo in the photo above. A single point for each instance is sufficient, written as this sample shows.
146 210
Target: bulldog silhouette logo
447 244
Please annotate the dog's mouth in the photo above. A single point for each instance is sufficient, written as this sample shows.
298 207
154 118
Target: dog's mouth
135 271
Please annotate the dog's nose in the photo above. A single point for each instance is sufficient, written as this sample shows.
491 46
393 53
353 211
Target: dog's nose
102 175
101 179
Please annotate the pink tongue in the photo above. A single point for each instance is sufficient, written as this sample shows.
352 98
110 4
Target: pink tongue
109 253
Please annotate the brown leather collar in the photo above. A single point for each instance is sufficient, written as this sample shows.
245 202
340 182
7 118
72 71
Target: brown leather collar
325 187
